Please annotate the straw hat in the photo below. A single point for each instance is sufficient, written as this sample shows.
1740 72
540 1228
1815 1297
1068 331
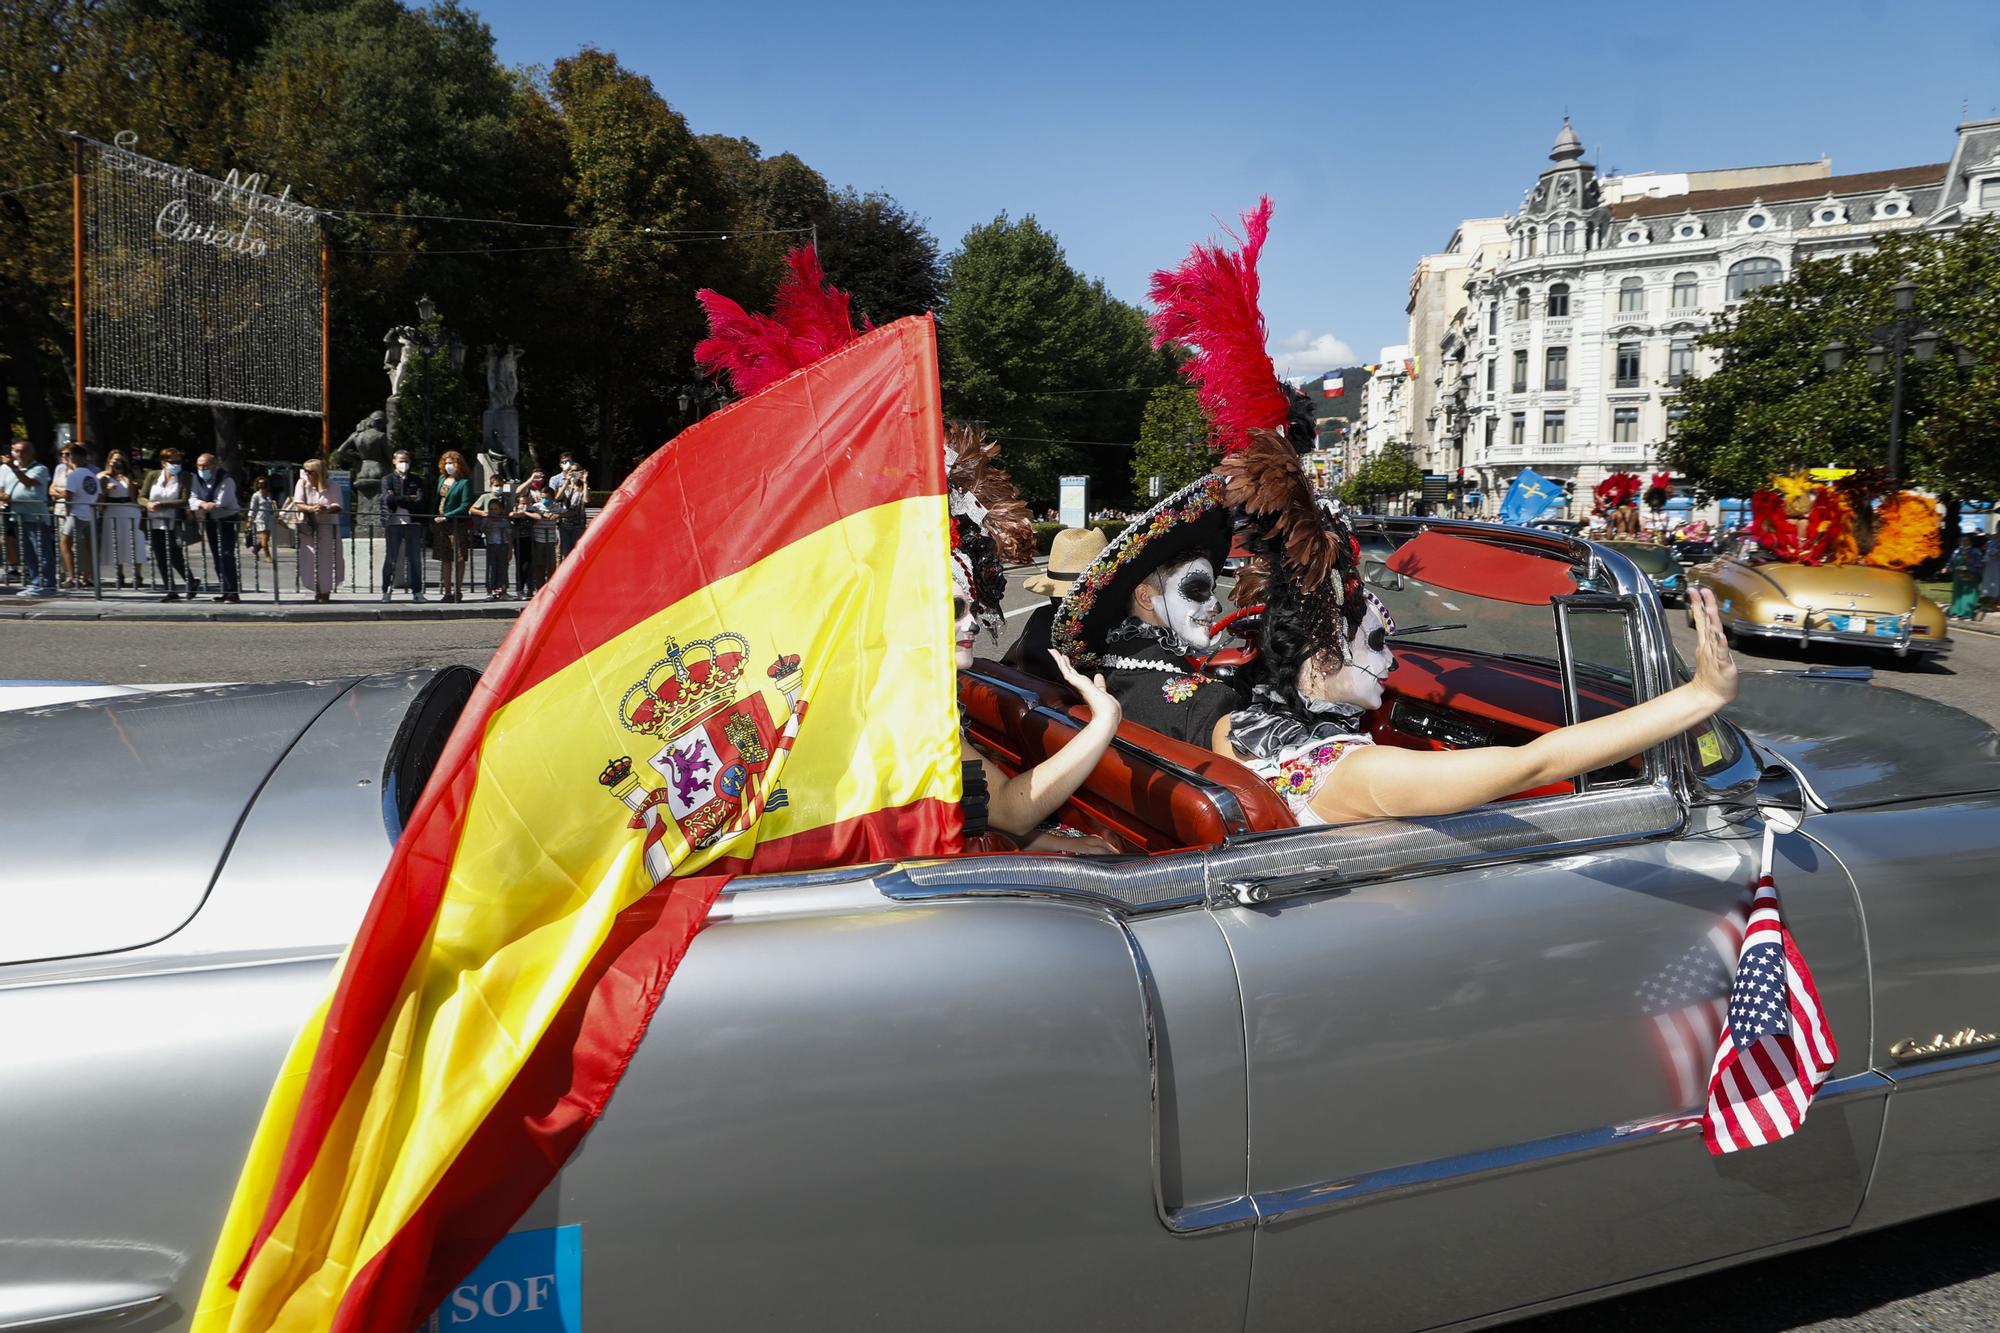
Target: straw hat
1069 555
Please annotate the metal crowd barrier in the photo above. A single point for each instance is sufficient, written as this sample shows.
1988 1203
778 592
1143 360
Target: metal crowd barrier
111 557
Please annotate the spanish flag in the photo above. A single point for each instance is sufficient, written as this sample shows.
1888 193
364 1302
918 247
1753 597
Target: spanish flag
745 665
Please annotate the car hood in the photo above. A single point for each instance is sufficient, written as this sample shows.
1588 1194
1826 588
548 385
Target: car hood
1841 586
136 798
1855 745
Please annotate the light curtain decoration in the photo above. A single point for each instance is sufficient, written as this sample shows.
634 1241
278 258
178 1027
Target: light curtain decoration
198 290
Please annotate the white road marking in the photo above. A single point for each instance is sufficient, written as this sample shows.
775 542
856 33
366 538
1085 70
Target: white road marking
1022 611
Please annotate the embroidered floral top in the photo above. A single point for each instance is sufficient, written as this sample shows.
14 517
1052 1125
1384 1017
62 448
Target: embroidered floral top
1299 771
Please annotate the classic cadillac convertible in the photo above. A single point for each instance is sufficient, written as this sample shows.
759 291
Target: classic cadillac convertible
1858 605
1395 1075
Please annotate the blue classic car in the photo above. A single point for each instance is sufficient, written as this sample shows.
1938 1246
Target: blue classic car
1389 1075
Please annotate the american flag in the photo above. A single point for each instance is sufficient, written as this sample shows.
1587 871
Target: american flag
1776 1045
1686 1003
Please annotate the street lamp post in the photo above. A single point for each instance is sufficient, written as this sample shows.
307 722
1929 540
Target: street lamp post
1907 333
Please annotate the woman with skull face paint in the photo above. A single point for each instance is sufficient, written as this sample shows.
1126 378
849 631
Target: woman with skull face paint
989 525
1324 654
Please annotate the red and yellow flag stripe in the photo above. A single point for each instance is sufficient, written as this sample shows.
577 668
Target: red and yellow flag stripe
528 921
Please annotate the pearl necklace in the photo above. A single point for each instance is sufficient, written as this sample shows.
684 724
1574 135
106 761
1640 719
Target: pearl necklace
1142 664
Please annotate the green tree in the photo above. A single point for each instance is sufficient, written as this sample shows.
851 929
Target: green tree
436 409
1174 442
1042 356
1386 474
1771 407
881 254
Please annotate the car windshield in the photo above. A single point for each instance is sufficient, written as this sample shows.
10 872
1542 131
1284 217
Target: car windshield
1649 558
1430 615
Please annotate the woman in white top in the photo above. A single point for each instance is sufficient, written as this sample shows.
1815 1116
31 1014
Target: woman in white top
166 504
118 500
322 564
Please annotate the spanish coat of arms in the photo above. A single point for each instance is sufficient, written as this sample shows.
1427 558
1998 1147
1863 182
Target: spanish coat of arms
720 740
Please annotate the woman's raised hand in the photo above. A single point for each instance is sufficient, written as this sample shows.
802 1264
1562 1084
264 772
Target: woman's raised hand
1103 707
1714 664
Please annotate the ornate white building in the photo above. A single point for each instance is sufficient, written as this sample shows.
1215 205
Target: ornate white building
1578 326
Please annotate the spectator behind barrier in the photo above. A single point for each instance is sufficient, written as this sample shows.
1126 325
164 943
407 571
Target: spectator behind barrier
118 498
76 487
454 508
213 504
322 563
24 493
165 499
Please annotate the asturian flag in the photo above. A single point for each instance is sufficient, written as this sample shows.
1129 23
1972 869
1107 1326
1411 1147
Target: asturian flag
746 665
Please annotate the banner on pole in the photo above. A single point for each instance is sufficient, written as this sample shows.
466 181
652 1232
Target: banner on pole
198 290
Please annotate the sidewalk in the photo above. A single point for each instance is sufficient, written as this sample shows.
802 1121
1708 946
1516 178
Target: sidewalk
80 605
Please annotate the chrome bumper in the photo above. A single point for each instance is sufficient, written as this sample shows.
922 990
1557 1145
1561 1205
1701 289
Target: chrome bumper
1902 644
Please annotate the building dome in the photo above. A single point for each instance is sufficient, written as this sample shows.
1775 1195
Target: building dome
1568 147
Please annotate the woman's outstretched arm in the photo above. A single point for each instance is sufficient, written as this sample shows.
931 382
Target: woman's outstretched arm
1384 780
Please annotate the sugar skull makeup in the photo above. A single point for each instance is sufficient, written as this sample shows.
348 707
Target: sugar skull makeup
1187 601
1357 681
965 613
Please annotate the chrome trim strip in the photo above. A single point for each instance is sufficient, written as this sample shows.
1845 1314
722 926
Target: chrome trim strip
93 1312
1324 1196
1188 1219
1896 645
1921 1070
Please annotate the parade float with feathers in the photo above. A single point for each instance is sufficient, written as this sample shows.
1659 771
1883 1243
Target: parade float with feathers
1855 517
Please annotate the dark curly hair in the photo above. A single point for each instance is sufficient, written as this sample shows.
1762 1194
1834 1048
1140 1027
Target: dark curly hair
989 575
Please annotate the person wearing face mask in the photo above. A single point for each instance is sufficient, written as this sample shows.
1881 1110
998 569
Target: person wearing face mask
402 501
453 519
213 504
118 498
166 504
1146 608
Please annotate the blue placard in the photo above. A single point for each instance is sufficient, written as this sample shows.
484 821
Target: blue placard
530 1282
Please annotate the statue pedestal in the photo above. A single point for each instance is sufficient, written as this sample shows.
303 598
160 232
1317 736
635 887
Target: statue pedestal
501 432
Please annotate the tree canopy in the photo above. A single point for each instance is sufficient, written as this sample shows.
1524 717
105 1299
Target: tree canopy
568 209
1044 358
1771 407
1174 442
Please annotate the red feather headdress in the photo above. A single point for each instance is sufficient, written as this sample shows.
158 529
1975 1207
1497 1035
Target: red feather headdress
810 319
1209 306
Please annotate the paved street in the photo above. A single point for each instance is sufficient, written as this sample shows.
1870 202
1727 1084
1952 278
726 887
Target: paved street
1938 1274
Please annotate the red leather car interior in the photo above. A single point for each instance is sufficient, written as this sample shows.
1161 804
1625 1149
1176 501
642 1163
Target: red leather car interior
1131 796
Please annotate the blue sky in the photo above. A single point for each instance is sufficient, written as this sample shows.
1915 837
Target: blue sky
1132 130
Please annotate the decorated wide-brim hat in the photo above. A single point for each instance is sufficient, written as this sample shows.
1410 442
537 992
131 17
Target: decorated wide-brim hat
1192 521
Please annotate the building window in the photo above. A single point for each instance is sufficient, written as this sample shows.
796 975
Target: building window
1628 366
1632 297
1757 221
1531 242
1890 210
1625 425
1559 301
1680 360
1521 304
1491 367
1517 428
1555 368
1569 238
1674 415
1553 430
1686 291
1520 372
1493 319
1747 275
1989 192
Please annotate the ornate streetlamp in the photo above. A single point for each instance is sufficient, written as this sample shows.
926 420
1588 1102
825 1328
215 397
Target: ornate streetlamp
1906 334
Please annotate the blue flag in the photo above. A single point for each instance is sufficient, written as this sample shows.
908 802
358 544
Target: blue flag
1529 497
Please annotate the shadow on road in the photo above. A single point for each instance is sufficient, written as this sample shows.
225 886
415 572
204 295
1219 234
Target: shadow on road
1947 1267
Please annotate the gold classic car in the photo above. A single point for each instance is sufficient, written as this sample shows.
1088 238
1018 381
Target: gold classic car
1762 595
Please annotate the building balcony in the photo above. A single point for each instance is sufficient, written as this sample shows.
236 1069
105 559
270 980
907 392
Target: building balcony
1556 329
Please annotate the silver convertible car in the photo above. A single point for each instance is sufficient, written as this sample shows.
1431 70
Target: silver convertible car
1392 1075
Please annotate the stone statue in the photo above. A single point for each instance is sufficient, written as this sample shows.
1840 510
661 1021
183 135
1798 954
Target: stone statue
503 375
366 451
399 347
